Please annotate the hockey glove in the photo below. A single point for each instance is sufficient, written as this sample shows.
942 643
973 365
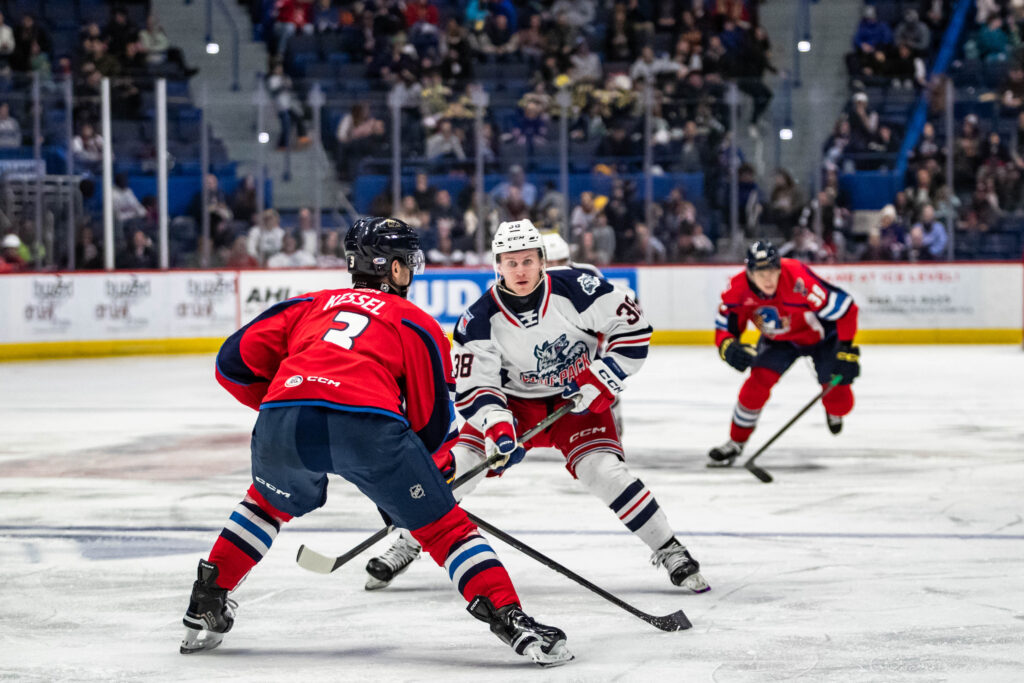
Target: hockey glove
500 437
847 362
737 354
597 387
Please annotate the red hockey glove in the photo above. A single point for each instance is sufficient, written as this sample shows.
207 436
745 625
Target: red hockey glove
500 437
596 388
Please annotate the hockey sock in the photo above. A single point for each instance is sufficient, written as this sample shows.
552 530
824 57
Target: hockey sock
465 460
246 538
474 568
606 477
839 401
753 395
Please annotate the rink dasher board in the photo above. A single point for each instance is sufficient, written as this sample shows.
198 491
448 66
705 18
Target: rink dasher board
55 315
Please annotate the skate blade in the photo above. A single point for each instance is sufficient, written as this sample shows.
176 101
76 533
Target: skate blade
557 655
696 583
375 584
198 640
716 464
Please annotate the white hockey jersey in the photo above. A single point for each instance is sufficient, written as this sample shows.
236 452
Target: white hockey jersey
537 353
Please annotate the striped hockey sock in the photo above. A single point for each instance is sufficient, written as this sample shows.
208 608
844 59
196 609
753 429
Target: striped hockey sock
474 568
744 420
245 539
637 508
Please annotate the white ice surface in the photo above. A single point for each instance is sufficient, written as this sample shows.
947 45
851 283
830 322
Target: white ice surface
894 552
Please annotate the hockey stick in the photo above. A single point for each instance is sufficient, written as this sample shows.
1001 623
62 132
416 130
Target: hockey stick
307 558
759 472
676 621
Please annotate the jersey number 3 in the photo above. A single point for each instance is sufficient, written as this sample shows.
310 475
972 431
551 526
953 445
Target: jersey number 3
352 325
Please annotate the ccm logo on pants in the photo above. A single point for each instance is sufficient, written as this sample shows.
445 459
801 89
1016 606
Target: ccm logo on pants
586 432
273 488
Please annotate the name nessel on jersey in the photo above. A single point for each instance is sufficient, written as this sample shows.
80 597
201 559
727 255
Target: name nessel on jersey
366 302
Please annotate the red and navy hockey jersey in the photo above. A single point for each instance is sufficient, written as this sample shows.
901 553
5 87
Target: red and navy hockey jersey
803 309
357 350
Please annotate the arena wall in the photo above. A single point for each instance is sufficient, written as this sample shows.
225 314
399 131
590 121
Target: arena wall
90 314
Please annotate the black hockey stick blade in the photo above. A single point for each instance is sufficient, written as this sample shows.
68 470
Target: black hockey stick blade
676 621
759 473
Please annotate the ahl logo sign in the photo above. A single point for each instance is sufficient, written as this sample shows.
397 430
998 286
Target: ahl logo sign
417 491
293 381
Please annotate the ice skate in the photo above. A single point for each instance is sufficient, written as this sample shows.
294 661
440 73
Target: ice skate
383 569
835 423
725 455
210 612
683 570
543 644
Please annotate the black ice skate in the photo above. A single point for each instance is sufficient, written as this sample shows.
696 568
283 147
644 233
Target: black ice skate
835 423
725 455
683 570
383 569
210 612
544 644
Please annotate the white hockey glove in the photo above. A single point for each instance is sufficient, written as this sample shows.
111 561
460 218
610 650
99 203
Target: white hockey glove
597 387
500 437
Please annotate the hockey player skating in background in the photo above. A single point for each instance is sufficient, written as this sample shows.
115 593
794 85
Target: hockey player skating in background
532 341
356 382
798 314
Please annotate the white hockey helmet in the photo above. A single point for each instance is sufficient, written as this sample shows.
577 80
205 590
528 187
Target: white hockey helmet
516 236
555 248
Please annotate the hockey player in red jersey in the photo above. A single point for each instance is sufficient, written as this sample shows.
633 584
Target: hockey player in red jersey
355 382
798 314
533 341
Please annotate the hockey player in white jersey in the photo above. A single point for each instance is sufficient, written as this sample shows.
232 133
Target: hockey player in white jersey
533 341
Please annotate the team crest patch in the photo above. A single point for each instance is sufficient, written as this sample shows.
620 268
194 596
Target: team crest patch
769 322
558 362
463 323
799 287
589 283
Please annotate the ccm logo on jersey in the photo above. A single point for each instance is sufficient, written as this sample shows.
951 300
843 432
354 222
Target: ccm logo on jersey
296 380
273 488
586 432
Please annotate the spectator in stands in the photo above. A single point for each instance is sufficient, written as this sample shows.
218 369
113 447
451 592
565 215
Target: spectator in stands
119 31
87 147
874 249
967 152
291 17
583 214
10 129
621 38
884 148
803 246
934 238
358 135
267 238
863 121
913 33
326 17
649 66
157 48
446 143
645 247
306 232
585 64
561 37
892 233
127 207
785 202
516 179
993 41
445 250
905 69
27 33
822 214
580 14
442 211
1012 88
87 253
838 145
750 199
239 256
290 255
409 212
498 41
984 210
244 200
750 61
692 246
332 251
10 254
996 163
604 239
928 148
220 213
139 253
531 41
870 42
7 46
288 106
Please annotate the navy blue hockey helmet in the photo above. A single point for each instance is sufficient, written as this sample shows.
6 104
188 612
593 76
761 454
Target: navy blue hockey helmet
762 256
372 243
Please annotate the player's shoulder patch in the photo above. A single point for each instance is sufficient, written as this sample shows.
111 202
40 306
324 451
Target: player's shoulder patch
475 322
579 286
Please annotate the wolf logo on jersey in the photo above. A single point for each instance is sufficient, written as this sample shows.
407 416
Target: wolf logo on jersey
557 363
589 283
769 322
